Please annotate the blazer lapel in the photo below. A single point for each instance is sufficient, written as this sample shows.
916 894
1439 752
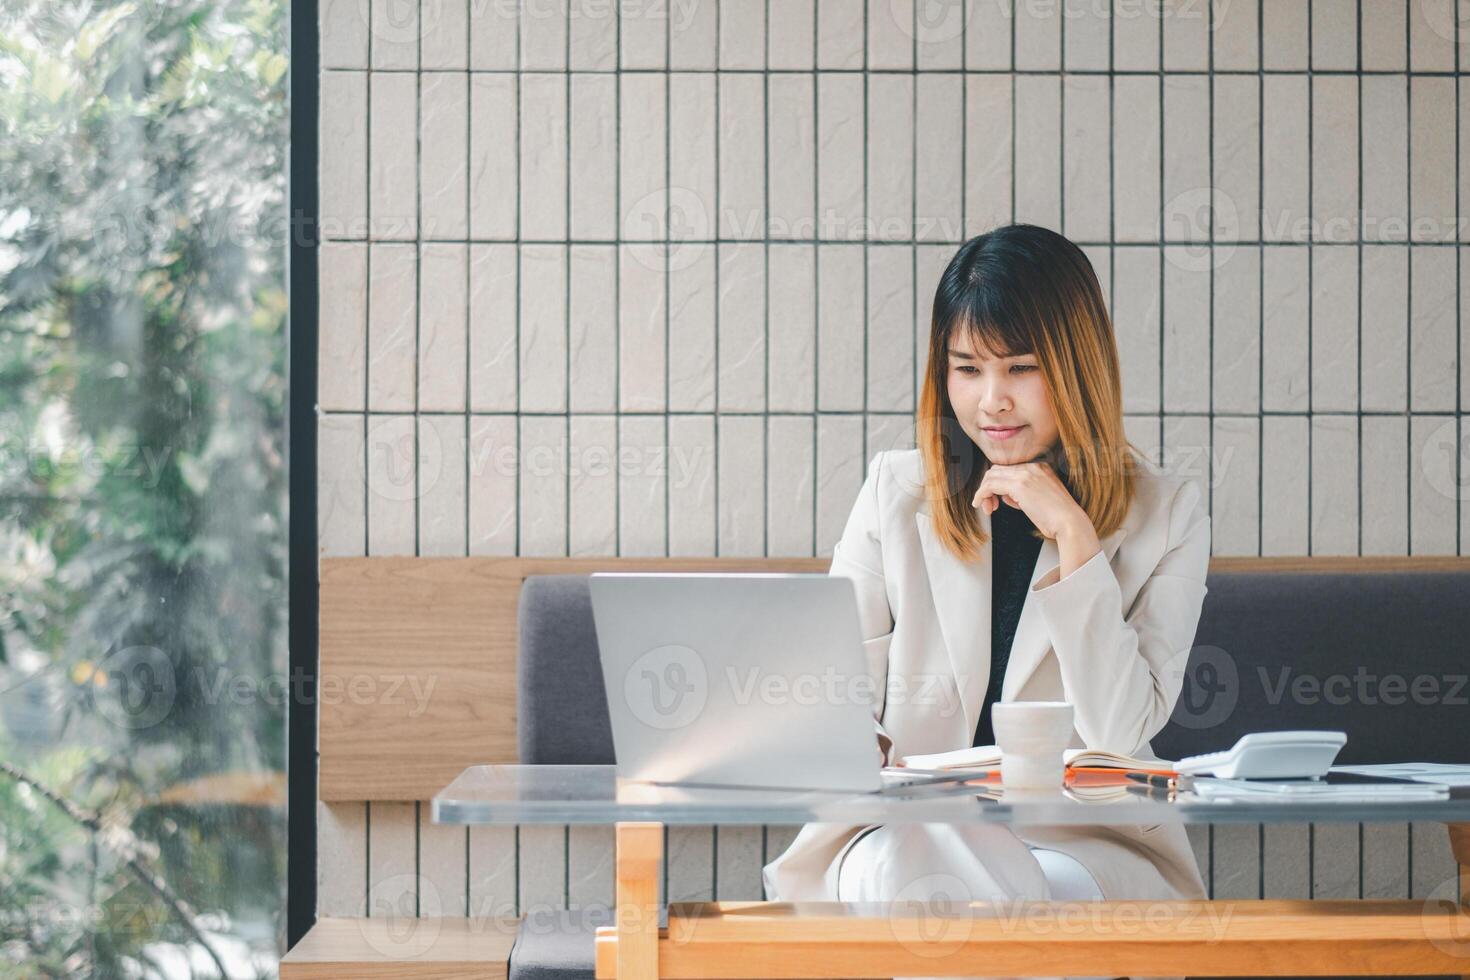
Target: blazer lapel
962 600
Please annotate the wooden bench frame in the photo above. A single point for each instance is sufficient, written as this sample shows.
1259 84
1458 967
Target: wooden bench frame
1228 937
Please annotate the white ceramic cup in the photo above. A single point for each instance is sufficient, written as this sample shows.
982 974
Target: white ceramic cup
1031 736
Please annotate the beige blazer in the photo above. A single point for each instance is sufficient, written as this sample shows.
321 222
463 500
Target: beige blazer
1113 638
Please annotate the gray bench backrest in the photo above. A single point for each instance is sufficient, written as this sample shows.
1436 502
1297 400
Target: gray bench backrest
1381 656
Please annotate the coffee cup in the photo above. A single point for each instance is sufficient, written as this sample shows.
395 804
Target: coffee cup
1031 736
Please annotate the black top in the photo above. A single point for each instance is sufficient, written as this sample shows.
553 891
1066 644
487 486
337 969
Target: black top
1012 563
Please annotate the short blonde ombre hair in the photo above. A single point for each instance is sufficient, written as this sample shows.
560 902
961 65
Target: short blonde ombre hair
1023 289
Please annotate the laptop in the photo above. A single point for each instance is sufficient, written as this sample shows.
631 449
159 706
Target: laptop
752 680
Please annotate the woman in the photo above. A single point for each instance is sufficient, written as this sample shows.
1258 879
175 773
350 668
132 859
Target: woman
1025 551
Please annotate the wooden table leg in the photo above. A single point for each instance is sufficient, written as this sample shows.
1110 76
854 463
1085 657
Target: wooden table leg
640 849
1460 846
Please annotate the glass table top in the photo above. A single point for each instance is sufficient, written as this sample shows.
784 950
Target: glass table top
512 794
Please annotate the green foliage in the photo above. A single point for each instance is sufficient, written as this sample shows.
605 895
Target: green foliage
142 477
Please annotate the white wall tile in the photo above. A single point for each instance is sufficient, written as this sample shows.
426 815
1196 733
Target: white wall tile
392 155
1334 35
1186 330
594 158
692 162
1432 331
1385 460
392 327
1335 158
1433 27
543 160
742 328
1284 35
891 35
1136 158
1384 30
343 27
642 325
890 156
1385 328
791 36
642 163
1432 158
392 455
989 149
692 485
840 129
840 29
644 30
543 37
1237 162
494 36
938 172
692 329
1186 28
742 156
342 326
1087 195
1087 39
1334 328
841 468
1284 149
393 888
1038 172
541 465
642 484
593 326
1435 484
494 492
742 34
1385 158
543 326
443 328
593 526
890 334
1237 331
841 358
1285 375
692 36
791 123
593 38
1235 504
1137 36
443 180
790 487
343 165
1038 36
494 158
1236 35
341 494
1137 291
393 30
1284 484
494 301
1186 158
1334 485
741 480
442 486
793 328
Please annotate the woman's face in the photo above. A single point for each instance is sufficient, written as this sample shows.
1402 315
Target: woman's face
1001 403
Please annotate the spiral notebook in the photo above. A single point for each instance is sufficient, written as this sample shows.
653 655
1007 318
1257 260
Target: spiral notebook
988 757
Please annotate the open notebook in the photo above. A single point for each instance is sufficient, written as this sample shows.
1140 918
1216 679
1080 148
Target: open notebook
988 757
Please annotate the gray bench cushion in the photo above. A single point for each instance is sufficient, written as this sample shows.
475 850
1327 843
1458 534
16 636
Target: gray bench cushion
1273 651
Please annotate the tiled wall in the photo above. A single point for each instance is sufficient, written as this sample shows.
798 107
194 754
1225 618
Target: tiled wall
654 278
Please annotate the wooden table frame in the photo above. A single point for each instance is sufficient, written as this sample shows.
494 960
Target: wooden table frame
739 940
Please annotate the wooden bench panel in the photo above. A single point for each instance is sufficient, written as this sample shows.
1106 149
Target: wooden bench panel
403 949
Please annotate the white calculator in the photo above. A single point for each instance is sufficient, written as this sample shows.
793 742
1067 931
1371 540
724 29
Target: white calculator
1270 755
